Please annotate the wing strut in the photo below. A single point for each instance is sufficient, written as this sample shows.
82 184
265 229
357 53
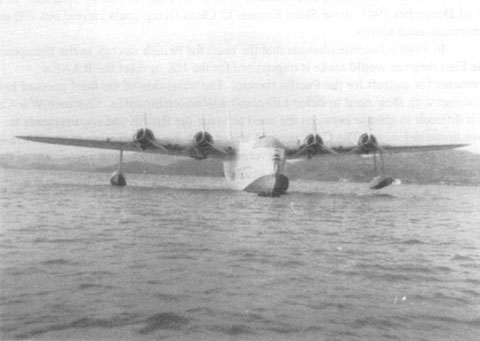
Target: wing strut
379 181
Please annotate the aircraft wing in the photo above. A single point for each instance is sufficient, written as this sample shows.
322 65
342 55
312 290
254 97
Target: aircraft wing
299 152
156 146
402 149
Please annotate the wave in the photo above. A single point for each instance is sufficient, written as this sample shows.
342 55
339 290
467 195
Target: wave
164 321
82 323
461 258
233 330
412 242
58 261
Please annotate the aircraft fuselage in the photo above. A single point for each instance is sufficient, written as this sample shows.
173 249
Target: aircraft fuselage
258 166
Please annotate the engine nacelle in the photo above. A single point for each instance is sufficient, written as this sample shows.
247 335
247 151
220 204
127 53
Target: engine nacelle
367 143
143 137
203 142
313 144
312 140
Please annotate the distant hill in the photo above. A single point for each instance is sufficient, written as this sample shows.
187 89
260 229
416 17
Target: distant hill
212 168
134 163
83 163
450 167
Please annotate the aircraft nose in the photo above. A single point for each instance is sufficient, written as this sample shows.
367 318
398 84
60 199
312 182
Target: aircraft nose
277 154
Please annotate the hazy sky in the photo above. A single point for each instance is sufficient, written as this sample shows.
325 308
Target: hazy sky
95 68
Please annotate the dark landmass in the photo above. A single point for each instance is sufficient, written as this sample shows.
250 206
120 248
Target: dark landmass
213 168
449 167
82 163
134 163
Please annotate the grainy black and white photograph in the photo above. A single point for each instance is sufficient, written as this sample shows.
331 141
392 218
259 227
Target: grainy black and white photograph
239 170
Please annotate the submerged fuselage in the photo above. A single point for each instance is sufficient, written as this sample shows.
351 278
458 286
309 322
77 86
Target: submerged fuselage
258 166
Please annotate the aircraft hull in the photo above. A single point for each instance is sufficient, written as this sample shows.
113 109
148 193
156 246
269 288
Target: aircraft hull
259 167
269 184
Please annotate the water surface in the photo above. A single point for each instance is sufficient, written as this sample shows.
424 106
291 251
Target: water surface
187 258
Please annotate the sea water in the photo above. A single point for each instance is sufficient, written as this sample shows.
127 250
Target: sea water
186 258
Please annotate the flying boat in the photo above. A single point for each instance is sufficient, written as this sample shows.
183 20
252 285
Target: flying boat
257 165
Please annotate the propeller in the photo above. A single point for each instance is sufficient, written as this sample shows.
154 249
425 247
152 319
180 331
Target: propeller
315 142
146 138
324 147
152 140
367 143
206 140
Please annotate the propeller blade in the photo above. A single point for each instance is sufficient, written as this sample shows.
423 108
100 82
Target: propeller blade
329 150
301 151
158 145
355 150
217 149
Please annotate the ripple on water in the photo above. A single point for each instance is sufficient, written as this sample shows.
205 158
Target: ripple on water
332 265
471 293
233 330
164 321
450 298
473 281
412 242
61 240
87 286
58 261
445 320
83 323
375 322
461 258
167 297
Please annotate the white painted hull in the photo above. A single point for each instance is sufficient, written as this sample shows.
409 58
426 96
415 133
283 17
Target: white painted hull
258 167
